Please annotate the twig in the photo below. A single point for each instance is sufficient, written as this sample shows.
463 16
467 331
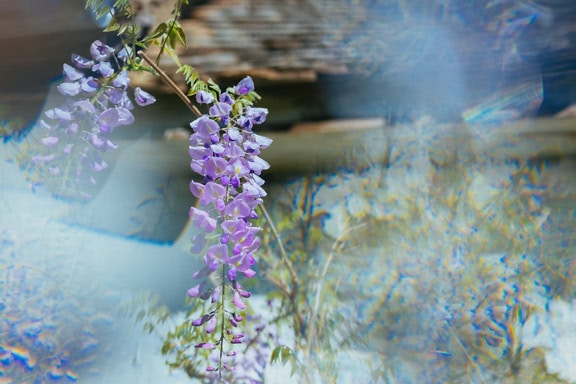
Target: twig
172 22
171 84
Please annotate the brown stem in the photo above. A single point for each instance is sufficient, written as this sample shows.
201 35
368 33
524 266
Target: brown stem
172 22
171 84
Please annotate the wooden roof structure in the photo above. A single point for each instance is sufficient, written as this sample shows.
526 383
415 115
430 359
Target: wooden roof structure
390 44
294 40
414 52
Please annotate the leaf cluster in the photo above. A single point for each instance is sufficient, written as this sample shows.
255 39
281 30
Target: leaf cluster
283 355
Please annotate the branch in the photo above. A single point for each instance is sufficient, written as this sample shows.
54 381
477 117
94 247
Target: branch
171 84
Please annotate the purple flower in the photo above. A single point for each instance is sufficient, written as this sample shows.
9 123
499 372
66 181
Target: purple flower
202 219
213 193
238 300
104 68
225 152
249 273
245 86
244 293
238 168
205 346
121 80
85 106
64 140
204 97
226 98
58 114
258 115
69 89
205 127
215 255
198 152
218 148
89 84
115 95
143 98
197 189
124 53
234 134
262 141
221 110
97 142
125 117
238 208
82 62
257 164
215 167
194 291
231 274
71 73
246 123
233 226
108 120
234 151
43 158
50 141
98 166
100 51
211 325
215 295
253 188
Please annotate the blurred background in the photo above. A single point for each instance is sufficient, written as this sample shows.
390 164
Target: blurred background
452 121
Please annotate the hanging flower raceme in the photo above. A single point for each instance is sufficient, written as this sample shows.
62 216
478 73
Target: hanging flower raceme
76 135
225 152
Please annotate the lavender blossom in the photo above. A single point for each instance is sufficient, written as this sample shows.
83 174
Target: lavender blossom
143 98
224 152
78 132
245 86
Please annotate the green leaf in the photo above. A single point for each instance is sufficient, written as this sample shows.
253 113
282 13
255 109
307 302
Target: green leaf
180 35
172 53
158 31
167 347
93 4
121 4
275 354
123 28
212 85
286 354
171 42
114 25
102 11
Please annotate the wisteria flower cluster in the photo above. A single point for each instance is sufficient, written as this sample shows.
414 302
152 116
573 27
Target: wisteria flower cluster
76 135
225 152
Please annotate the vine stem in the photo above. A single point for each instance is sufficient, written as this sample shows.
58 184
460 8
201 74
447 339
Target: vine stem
172 22
222 320
171 84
